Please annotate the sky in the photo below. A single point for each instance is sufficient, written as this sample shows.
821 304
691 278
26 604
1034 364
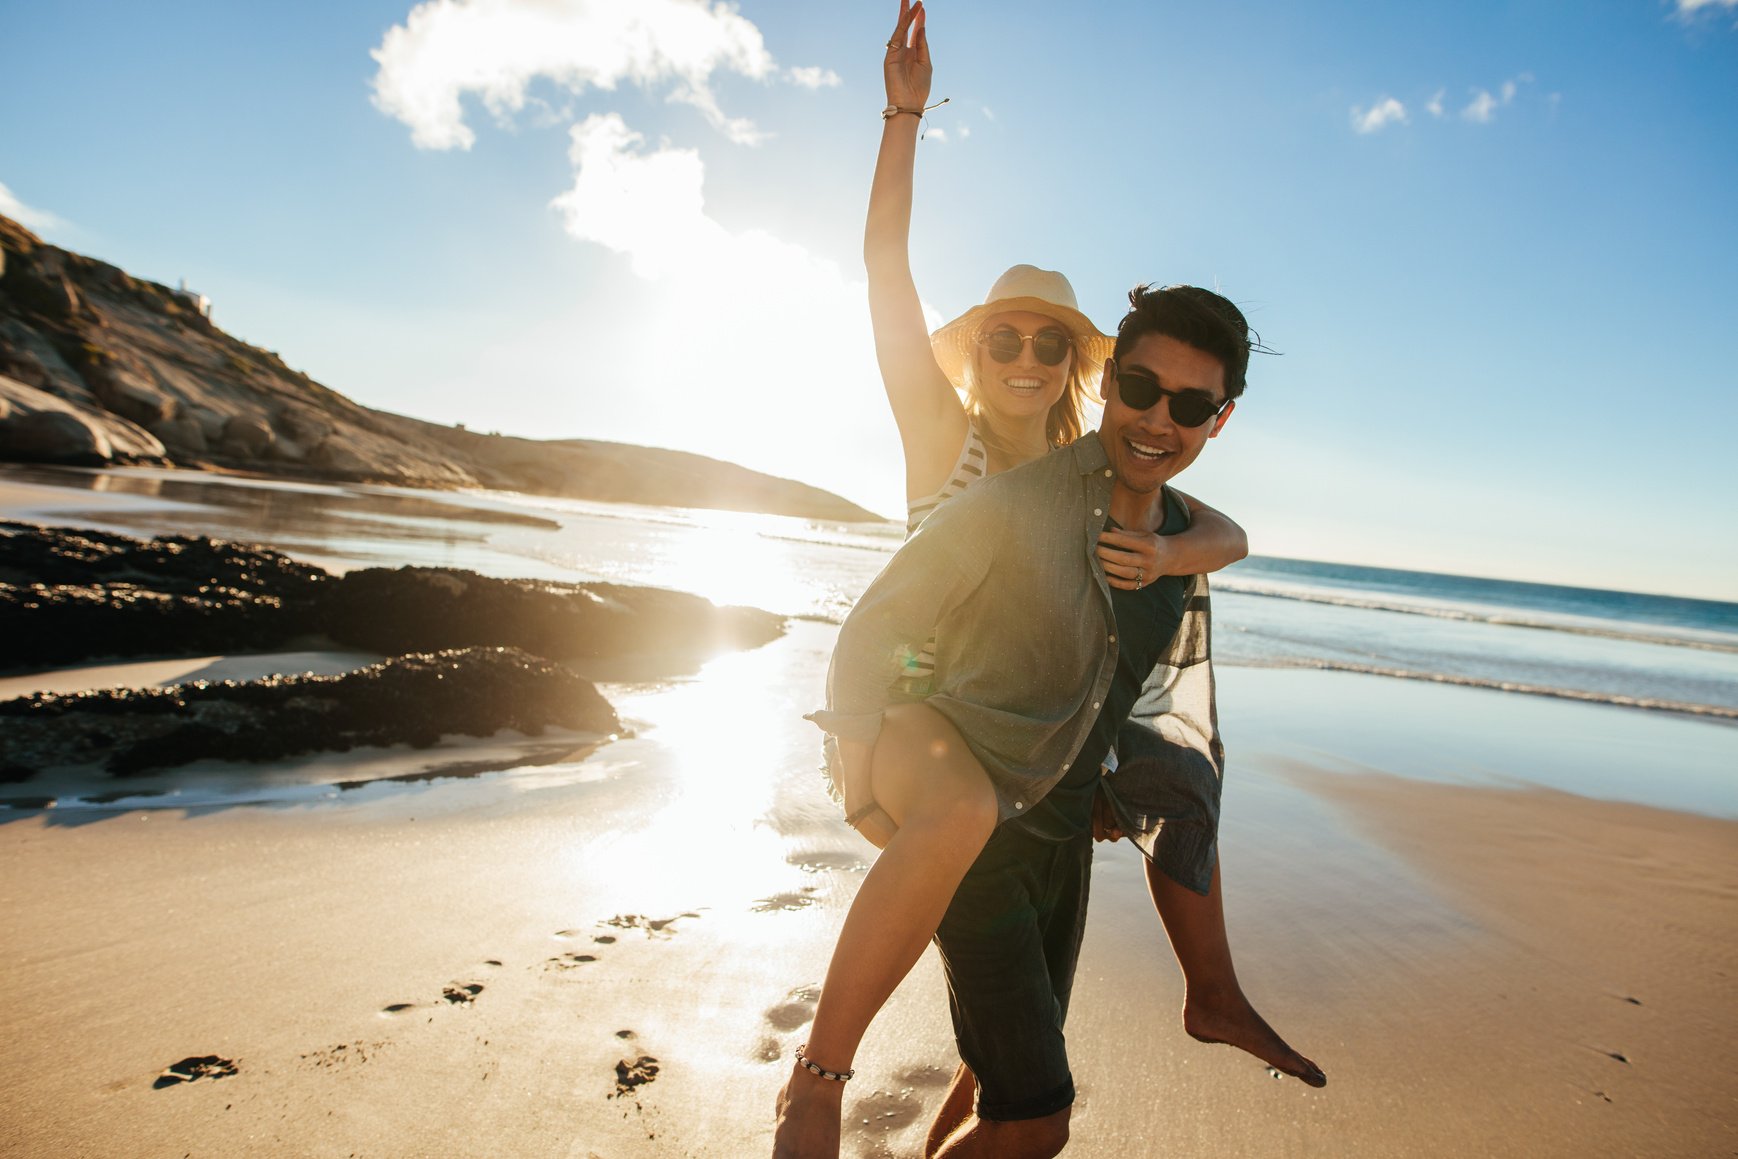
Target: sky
1494 243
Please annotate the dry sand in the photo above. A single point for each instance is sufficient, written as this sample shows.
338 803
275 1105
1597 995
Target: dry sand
458 968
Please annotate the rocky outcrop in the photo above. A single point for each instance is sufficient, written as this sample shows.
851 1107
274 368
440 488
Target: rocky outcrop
68 596
38 427
481 654
411 700
147 378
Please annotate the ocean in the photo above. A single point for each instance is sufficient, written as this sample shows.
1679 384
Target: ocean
1643 652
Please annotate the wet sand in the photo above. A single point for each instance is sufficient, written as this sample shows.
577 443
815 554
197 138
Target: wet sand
485 966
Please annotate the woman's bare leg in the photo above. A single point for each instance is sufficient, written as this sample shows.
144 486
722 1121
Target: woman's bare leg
934 790
1214 1007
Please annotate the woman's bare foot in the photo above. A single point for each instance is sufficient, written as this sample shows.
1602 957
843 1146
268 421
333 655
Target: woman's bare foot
808 1117
1231 1020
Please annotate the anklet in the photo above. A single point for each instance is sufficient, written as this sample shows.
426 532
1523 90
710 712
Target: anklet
830 1075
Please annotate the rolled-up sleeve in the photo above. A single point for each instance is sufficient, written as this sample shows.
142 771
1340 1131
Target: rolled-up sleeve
929 576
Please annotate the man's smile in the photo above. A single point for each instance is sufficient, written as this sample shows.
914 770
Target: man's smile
1144 452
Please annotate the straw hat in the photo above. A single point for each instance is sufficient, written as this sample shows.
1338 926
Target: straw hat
1031 289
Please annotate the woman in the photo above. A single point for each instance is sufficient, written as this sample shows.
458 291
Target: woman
1025 361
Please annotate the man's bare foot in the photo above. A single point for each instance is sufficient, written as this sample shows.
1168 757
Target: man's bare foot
808 1117
1231 1020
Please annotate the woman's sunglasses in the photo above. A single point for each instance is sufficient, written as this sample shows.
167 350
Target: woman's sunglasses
1189 408
1004 343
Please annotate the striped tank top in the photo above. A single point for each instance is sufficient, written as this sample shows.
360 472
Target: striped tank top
967 469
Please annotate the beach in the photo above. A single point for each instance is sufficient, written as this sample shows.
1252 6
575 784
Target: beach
1503 924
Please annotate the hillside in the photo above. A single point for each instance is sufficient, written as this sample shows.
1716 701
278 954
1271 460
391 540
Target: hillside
99 367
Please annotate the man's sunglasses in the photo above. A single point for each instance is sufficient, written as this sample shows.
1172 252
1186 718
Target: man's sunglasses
1004 343
1189 408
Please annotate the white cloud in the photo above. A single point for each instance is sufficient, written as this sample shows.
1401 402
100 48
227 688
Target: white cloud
1434 105
495 49
1482 109
1691 7
25 215
1378 116
814 78
937 134
964 131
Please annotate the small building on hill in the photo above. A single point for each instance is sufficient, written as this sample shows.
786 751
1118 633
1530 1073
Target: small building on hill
198 301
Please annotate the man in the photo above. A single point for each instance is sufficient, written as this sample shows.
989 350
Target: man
1040 666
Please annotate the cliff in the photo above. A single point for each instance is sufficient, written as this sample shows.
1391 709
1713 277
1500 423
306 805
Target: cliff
99 367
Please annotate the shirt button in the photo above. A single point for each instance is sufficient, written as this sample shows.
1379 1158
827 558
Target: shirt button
1113 639
1065 768
1019 804
1095 704
1098 511
1107 472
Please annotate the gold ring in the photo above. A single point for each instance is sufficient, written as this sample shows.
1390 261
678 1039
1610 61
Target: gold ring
892 44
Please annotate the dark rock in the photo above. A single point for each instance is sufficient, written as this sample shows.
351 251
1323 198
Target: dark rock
68 595
130 396
420 608
246 436
286 451
210 422
303 426
412 699
55 436
48 293
184 433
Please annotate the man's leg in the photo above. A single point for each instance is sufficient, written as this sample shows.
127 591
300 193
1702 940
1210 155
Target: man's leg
1009 943
1214 1006
1024 1139
955 1111
956 1108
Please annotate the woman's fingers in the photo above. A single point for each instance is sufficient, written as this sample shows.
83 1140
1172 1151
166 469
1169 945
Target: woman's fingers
920 39
901 30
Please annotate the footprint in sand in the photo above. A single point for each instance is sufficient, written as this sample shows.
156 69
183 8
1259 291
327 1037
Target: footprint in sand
879 1112
462 993
194 1068
634 1073
343 1055
816 860
800 899
926 1075
798 1009
569 961
652 926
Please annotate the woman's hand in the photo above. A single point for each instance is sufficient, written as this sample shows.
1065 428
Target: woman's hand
1133 559
907 69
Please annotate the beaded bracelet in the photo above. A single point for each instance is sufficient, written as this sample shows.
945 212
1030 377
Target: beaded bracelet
829 1075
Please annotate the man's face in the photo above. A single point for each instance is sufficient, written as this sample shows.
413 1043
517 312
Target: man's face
1146 447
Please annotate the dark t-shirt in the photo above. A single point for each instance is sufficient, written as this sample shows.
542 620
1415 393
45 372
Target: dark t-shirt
1145 622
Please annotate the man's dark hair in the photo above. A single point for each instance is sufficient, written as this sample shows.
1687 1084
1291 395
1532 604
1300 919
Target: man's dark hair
1201 318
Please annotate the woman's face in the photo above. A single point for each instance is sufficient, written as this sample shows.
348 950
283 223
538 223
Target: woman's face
1022 386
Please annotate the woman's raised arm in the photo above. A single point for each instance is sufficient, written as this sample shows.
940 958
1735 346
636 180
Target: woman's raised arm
932 422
